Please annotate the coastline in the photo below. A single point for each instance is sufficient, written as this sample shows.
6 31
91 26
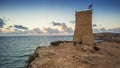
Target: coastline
67 55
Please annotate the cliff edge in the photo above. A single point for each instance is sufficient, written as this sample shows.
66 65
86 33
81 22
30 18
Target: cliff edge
67 55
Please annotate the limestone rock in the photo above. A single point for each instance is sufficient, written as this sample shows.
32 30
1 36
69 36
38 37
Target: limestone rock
79 56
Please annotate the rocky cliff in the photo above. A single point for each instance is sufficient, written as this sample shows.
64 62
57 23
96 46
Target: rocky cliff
68 55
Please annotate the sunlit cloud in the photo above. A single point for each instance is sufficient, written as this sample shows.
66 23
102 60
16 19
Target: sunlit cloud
50 30
62 27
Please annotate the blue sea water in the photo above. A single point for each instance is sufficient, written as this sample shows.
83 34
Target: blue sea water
15 50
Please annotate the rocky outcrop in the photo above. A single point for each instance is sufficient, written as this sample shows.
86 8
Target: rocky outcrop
101 55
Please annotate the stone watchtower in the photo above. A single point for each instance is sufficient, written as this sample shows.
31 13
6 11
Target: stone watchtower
83 28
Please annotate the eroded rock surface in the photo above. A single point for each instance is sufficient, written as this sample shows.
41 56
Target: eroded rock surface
79 56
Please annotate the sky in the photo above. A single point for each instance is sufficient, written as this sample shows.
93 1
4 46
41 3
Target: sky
55 17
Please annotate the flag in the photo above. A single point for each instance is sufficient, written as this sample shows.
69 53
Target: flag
90 6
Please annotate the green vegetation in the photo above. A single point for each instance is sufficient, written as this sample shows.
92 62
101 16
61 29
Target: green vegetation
56 43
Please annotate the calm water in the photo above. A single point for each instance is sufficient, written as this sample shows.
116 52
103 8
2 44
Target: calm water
15 50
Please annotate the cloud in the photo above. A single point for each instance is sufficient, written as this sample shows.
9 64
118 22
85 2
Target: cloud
69 30
20 27
99 30
56 24
37 30
2 23
102 30
13 33
62 27
95 30
73 22
65 28
10 26
50 30
56 28
94 25
113 30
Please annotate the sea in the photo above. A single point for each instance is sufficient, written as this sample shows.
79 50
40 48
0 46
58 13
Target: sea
15 50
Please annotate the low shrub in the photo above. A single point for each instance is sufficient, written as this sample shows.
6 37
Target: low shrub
74 43
56 43
96 48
